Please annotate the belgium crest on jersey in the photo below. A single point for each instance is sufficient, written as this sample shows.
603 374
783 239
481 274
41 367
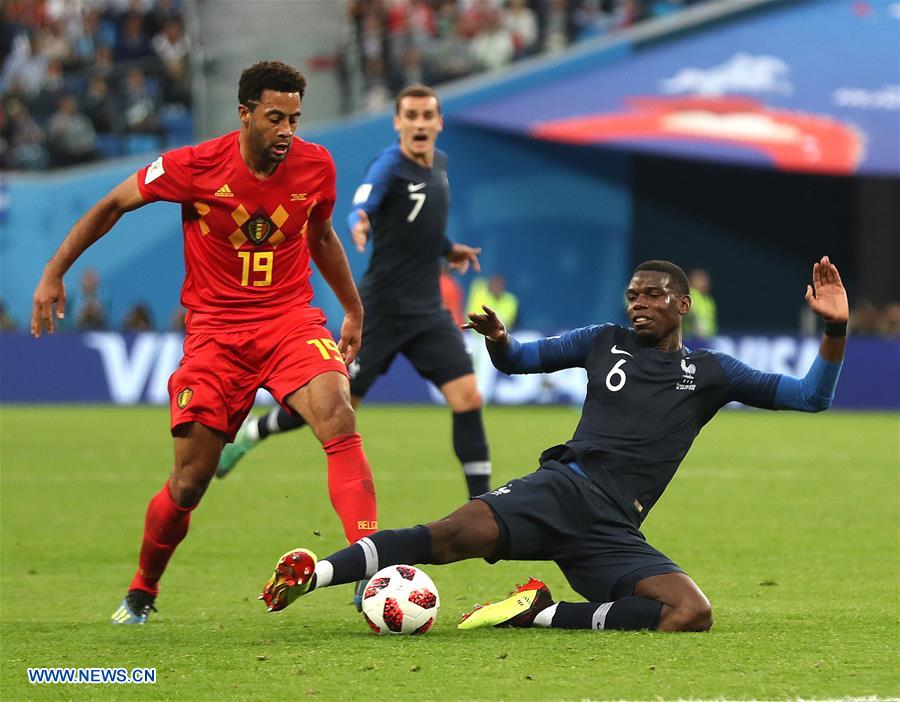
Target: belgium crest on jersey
184 397
258 229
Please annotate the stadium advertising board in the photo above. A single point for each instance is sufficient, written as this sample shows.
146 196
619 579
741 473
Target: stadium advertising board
125 369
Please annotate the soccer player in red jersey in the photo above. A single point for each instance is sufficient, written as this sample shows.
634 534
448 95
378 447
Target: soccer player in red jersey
256 207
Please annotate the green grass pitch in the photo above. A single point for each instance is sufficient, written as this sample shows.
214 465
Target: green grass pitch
788 522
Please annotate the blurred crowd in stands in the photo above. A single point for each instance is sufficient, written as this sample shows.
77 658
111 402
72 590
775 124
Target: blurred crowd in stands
87 79
399 42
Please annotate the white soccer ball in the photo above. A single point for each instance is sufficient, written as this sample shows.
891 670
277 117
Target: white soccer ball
400 599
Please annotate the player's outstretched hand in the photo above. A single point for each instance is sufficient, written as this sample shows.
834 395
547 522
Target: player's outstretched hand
487 324
360 231
461 256
351 337
50 292
827 296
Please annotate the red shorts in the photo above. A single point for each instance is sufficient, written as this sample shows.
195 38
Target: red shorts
216 382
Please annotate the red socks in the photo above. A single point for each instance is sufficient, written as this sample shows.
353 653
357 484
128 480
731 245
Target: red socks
164 528
350 486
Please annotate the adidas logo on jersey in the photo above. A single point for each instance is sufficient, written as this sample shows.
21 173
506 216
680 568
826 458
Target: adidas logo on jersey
224 191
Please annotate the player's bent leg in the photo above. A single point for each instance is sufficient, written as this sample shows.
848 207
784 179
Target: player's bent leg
325 402
469 439
197 449
684 606
168 516
469 532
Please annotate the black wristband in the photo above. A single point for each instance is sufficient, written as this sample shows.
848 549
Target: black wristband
836 329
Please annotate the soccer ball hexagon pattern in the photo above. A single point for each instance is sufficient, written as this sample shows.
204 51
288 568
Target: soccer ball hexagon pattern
400 599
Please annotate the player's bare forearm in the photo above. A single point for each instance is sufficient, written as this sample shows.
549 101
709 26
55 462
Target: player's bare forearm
49 300
832 348
328 254
95 223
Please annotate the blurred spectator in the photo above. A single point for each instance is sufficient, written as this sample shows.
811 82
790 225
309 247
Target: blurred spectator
178 318
25 67
103 65
700 322
140 103
132 46
493 45
890 325
160 12
87 37
7 323
52 91
26 141
51 48
102 106
633 11
865 319
139 319
521 22
91 313
72 138
451 294
172 48
558 25
493 293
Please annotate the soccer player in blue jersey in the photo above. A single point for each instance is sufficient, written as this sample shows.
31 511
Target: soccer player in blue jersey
648 397
402 206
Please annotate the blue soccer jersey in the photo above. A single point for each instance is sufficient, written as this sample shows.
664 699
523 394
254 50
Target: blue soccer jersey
407 205
644 407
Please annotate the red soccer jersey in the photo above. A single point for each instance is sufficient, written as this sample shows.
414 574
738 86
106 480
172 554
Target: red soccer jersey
245 254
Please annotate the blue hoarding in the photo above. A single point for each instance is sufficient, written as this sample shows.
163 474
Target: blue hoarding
108 367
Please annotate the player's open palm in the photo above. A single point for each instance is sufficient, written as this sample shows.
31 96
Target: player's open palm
827 296
360 231
487 324
50 292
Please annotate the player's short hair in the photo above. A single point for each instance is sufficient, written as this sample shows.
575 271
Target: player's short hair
269 75
417 90
677 278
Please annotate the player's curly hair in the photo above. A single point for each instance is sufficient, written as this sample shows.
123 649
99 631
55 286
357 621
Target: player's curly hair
677 277
416 90
269 75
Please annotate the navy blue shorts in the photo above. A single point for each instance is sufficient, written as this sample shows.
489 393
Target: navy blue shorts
554 514
432 343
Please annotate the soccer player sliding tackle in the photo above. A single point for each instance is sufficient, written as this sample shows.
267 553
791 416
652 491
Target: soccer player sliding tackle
648 397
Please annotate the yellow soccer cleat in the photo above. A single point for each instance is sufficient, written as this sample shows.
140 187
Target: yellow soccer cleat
518 610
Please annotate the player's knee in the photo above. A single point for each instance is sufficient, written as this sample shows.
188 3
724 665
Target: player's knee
471 400
187 488
340 419
693 615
